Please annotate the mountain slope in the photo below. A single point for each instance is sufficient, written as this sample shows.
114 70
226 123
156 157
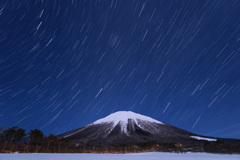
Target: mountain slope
125 127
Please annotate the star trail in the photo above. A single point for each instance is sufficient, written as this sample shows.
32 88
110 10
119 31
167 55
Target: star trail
67 63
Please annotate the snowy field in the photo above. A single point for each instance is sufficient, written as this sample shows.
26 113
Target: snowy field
137 156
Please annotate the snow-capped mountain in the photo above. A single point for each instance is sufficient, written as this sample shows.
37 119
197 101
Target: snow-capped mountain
123 118
126 127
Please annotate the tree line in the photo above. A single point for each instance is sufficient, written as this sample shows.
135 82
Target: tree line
16 139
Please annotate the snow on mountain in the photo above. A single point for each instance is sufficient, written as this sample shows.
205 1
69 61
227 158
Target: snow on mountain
124 116
203 138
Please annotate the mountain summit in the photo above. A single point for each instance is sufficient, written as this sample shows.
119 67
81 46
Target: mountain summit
126 127
123 118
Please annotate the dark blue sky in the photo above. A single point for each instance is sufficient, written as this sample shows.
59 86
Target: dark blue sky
67 63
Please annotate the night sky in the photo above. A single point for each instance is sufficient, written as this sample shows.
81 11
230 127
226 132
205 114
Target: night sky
67 63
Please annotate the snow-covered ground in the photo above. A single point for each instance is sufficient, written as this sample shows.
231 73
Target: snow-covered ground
135 156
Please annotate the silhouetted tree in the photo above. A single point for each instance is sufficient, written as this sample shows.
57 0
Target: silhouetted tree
11 139
51 141
19 135
8 135
36 139
13 135
35 136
